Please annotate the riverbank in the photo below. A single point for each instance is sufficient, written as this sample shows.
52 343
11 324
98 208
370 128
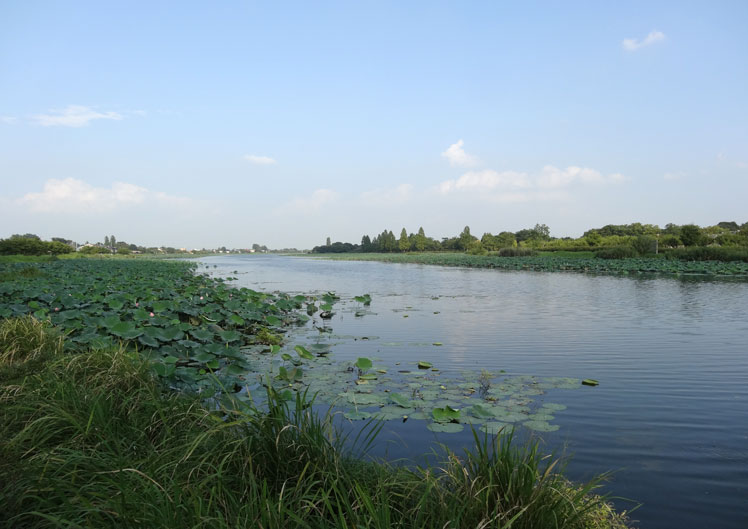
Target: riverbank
552 263
93 439
92 436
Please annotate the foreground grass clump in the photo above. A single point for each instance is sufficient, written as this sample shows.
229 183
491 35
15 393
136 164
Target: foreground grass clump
25 343
93 440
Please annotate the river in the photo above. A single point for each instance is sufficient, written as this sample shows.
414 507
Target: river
670 416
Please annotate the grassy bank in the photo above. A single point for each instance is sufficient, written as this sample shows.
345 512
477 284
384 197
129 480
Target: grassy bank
548 262
93 440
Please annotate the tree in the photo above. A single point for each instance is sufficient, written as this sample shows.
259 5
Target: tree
420 240
489 242
523 235
112 241
366 245
106 241
669 241
506 239
403 244
543 231
328 242
691 235
731 226
644 244
593 238
465 238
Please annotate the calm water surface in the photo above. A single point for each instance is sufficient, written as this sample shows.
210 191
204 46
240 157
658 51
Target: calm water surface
670 415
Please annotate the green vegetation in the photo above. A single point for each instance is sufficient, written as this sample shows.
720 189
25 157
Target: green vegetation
552 263
92 439
609 242
192 327
31 245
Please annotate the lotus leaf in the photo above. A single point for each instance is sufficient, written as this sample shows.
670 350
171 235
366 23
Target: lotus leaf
449 427
540 426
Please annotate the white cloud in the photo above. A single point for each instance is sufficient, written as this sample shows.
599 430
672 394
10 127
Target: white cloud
457 155
70 195
637 44
73 116
313 202
515 186
8 120
486 180
386 197
259 160
553 177
673 176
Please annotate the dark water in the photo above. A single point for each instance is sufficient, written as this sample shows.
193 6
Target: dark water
670 415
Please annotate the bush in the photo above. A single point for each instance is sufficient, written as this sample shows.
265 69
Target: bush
517 252
709 253
17 245
617 252
691 235
91 250
476 248
670 241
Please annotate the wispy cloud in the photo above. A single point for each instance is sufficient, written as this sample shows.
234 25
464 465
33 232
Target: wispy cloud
637 44
388 197
457 155
259 160
517 186
314 202
73 116
673 176
552 177
486 180
8 120
70 195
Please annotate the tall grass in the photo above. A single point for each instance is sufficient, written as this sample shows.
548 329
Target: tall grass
92 440
25 343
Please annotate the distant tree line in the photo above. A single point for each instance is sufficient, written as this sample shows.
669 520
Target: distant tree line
635 238
30 244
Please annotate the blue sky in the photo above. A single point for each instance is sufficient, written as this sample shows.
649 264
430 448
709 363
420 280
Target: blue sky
282 123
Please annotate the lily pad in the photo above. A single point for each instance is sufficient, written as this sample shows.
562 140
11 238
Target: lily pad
449 427
493 427
363 363
355 415
446 414
400 400
540 426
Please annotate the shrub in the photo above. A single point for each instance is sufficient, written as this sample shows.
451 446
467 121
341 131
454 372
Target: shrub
709 253
644 244
617 252
476 248
691 235
670 241
517 252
